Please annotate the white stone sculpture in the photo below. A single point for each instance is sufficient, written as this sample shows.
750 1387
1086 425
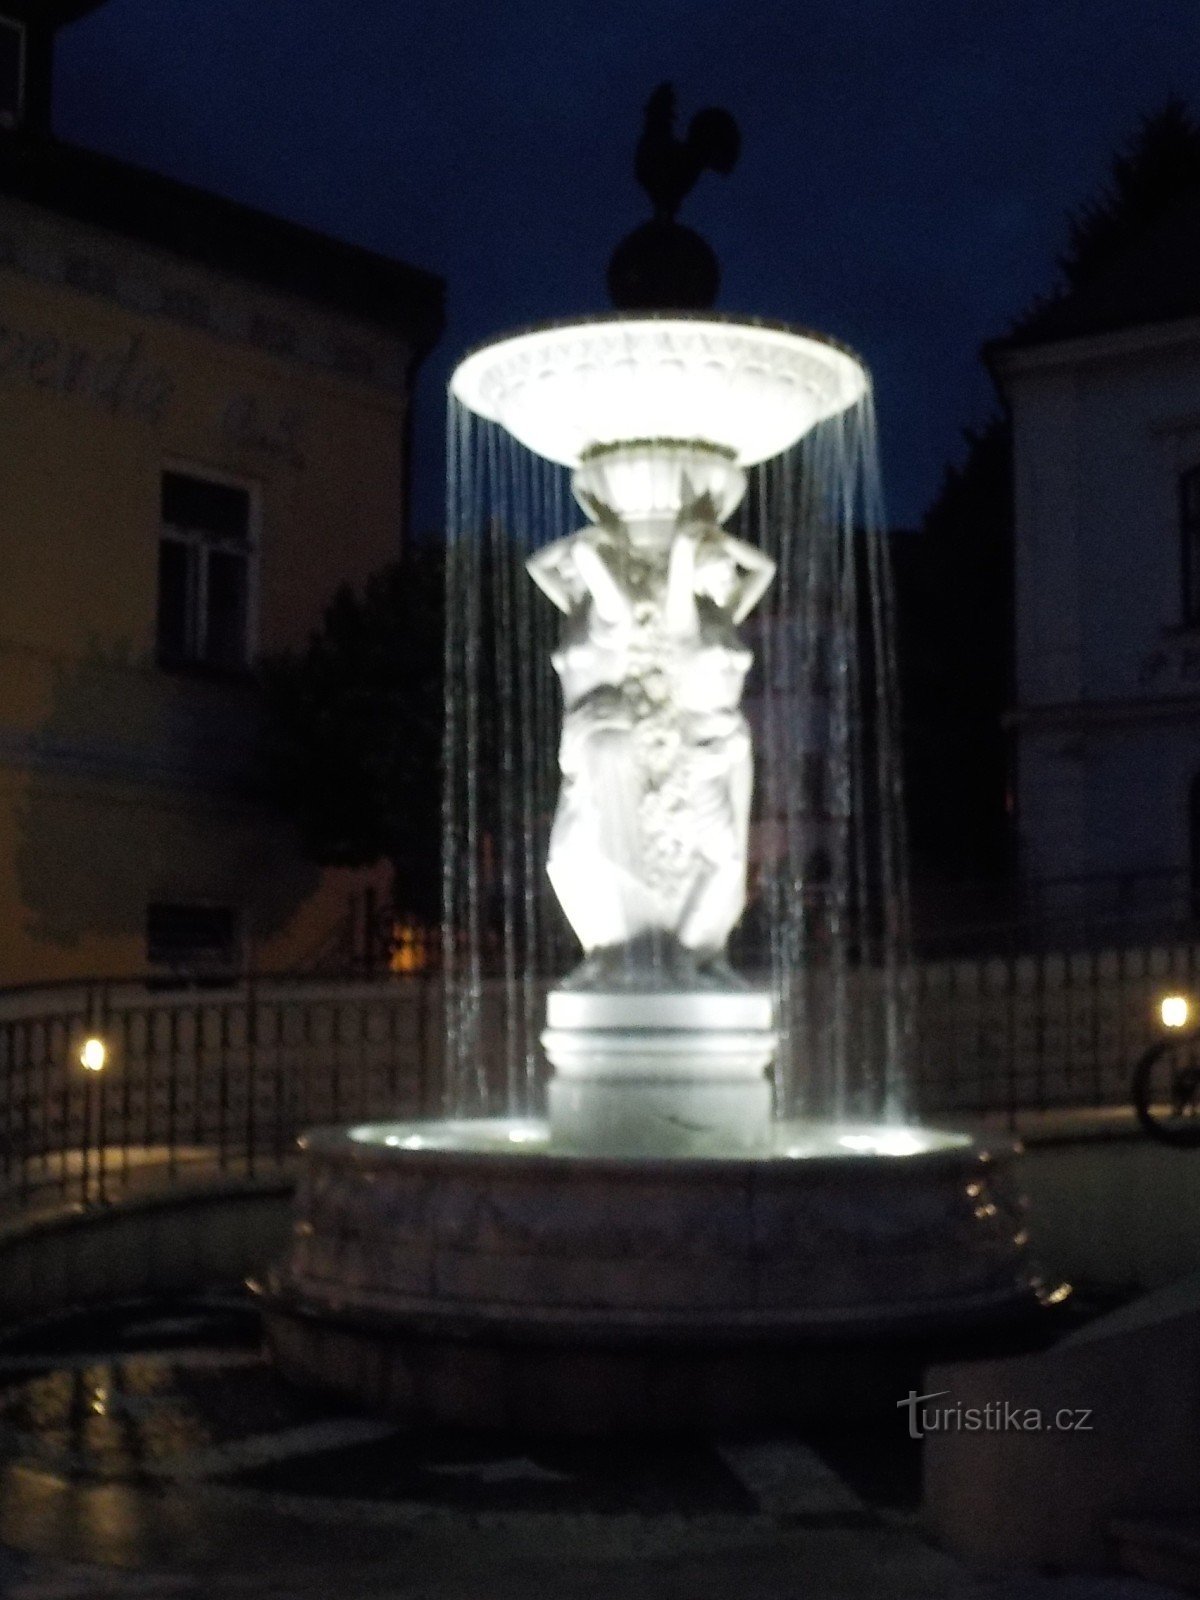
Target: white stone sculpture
656 1045
651 833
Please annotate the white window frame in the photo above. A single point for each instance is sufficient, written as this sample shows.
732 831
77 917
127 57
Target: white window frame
15 118
197 604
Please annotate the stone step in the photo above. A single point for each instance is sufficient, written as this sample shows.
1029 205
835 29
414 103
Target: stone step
1163 1549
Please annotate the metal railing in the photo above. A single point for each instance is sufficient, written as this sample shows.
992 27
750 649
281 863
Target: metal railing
1039 1031
219 1082
200 1082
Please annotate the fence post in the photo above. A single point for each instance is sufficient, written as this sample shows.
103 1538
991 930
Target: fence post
251 1070
102 1028
1013 1031
89 1112
224 1035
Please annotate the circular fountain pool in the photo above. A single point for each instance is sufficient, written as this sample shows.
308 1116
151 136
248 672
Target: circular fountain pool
472 1274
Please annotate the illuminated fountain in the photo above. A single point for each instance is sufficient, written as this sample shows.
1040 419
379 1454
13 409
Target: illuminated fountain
725 1168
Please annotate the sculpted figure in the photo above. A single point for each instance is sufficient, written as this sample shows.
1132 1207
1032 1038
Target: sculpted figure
650 835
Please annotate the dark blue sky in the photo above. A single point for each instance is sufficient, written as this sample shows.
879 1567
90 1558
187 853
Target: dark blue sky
906 164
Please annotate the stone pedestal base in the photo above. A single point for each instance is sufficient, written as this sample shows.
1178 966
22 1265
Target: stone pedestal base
660 1073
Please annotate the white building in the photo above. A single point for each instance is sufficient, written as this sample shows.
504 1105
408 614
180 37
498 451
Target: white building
1104 390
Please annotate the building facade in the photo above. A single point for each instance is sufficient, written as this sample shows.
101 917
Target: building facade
1104 391
203 416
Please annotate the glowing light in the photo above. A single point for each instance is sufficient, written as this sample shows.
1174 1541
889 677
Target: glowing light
93 1055
524 1135
1175 1010
887 1142
410 948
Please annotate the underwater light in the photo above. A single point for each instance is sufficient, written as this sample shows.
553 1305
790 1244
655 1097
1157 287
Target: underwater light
887 1142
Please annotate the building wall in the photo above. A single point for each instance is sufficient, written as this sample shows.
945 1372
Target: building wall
122 784
1108 715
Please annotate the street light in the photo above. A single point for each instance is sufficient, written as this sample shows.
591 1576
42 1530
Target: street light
1175 1010
94 1055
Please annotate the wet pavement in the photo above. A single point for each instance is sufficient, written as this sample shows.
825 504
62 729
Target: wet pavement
156 1454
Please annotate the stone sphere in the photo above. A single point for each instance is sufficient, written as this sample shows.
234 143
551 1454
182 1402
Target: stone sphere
663 266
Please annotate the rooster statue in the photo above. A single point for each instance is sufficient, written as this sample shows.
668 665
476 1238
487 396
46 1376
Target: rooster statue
667 167
662 265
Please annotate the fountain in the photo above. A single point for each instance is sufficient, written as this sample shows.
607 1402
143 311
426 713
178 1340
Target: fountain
725 1169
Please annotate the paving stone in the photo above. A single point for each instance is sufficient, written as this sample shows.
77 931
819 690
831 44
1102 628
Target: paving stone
200 1477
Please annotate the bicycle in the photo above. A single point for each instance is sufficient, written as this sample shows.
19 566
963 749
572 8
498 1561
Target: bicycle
1165 1089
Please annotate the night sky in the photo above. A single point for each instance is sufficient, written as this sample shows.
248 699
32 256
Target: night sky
906 167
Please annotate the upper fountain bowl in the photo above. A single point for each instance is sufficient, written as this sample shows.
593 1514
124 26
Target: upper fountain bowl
742 386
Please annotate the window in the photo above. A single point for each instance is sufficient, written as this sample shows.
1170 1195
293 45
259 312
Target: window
204 570
12 72
192 938
1189 536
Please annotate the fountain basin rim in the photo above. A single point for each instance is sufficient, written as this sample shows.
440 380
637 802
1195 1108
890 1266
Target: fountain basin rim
348 1141
732 319
746 387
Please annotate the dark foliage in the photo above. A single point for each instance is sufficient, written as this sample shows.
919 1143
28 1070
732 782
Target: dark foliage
1159 165
356 729
955 590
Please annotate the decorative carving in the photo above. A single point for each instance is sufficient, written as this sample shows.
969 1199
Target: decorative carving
752 389
651 832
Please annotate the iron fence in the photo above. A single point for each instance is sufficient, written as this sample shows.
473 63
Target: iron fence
1035 1032
202 1082
199 1082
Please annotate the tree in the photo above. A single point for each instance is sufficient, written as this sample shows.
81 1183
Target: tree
1158 166
955 578
955 588
355 730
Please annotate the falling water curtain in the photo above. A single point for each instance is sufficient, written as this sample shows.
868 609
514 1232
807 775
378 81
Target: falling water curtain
827 916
